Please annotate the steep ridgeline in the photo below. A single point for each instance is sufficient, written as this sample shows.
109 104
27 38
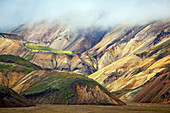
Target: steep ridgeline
9 98
126 40
45 57
47 87
60 36
140 72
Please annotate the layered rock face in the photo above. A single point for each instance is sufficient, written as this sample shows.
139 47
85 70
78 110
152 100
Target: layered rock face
152 92
126 40
9 98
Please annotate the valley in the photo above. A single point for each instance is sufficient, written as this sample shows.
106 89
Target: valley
130 108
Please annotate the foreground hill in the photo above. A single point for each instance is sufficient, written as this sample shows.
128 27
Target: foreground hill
51 87
9 98
68 88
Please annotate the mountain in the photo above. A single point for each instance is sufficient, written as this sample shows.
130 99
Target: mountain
69 88
60 36
49 86
138 60
129 60
9 98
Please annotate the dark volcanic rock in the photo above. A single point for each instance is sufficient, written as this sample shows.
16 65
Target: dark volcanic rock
9 98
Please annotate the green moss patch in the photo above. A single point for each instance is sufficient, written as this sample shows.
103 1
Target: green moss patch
16 64
45 49
11 67
17 60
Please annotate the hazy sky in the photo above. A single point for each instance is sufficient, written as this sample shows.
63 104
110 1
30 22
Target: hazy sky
82 12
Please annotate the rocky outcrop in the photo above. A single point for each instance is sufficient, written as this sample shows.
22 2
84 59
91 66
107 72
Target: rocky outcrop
95 96
9 98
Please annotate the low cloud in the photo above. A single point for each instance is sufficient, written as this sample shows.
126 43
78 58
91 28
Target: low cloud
82 13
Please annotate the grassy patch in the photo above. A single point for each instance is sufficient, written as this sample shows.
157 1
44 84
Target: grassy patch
59 80
12 67
91 57
142 53
4 89
163 49
7 66
121 91
16 60
30 56
11 62
42 48
137 71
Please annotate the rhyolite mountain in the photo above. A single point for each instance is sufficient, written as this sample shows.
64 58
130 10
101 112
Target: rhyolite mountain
130 60
47 86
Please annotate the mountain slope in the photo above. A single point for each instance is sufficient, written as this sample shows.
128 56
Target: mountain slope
60 36
9 98
124 59
49 86
44 56
67 88
126 40
133 75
